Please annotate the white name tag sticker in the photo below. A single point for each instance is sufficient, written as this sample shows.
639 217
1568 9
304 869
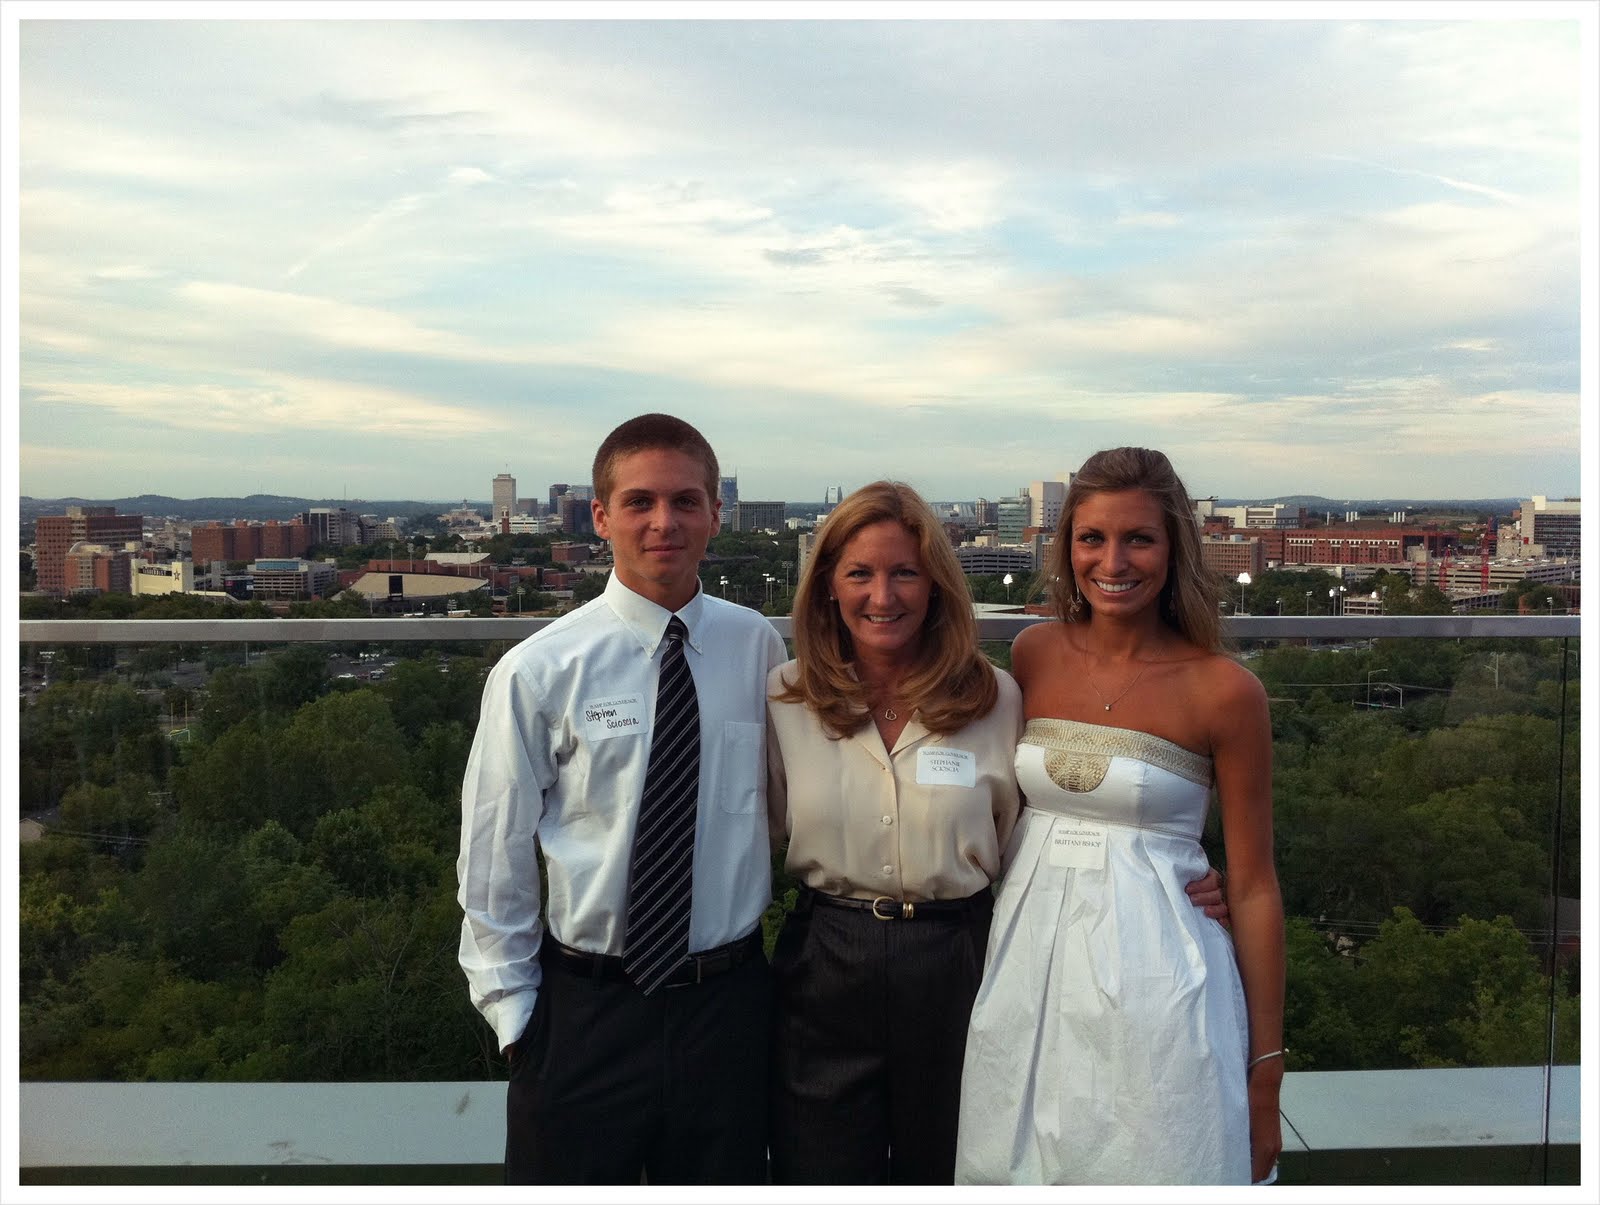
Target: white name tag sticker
620 715
941 766
1077 843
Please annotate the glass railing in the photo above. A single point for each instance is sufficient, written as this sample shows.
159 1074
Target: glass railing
237 913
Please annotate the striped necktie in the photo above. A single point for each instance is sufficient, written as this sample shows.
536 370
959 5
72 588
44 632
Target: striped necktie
660 877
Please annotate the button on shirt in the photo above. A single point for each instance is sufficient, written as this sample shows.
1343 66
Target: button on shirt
866 821
562 744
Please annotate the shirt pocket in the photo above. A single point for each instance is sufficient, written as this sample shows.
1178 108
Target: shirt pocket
740 787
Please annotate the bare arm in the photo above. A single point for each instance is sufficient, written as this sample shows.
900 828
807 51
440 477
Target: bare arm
1242 753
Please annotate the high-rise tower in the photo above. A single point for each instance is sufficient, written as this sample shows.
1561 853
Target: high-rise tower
505 497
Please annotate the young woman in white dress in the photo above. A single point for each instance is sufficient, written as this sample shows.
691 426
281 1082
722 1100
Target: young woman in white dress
1119 1036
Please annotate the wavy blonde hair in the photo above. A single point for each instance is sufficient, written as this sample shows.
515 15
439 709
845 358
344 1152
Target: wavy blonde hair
1188 601
952 684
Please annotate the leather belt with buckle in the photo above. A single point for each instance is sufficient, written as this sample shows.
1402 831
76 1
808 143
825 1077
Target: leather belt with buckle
696 968
886 907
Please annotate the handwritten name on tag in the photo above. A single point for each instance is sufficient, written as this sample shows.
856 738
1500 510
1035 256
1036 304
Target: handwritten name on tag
1077 843
942 766
620 715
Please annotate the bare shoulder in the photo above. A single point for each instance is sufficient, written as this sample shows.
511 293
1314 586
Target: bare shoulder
1235 700
1033 645
1230 681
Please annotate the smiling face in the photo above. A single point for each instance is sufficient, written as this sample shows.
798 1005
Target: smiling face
883 590
659 519
1120 552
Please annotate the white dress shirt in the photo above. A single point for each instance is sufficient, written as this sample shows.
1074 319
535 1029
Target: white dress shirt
927 820
562 744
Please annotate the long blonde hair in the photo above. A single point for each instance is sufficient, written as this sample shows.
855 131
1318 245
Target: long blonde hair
952 684
1188 601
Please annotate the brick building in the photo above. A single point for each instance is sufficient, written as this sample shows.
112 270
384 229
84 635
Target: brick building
243 540
97 569
54 536
1229 556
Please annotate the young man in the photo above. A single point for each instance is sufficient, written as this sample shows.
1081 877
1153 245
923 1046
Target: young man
635 1047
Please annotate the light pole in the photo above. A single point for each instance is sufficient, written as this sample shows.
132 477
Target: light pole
1308 602
769 581
724 587
1497 657
1380 670
1006 581
1244 580
1336 601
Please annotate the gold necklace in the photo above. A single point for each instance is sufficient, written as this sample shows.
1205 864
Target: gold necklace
1108 705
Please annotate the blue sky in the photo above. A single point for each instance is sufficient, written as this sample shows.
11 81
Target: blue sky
383 258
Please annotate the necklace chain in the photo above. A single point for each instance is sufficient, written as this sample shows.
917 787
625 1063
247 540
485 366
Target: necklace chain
1113 702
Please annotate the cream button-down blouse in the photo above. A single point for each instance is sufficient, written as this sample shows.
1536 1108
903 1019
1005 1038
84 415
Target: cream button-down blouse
927 820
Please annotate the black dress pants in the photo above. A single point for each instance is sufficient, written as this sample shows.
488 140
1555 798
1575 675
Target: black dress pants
608 1083
869 1030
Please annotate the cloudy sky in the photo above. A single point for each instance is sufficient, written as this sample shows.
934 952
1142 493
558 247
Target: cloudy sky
390 258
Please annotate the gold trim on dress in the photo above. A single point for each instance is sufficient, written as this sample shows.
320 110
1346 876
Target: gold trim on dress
1077 755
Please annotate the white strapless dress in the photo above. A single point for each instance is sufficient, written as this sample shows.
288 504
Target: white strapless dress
1109 1038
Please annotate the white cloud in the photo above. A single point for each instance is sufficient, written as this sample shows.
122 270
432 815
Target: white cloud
1275 230
275 405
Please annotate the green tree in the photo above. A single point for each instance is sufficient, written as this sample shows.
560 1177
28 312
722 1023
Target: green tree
589 586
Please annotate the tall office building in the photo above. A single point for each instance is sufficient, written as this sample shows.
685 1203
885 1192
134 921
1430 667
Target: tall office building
557 492
1011 516
728 492
504 495
831 498
1550 528
332 525
754 516
574 511
1045 500
54 536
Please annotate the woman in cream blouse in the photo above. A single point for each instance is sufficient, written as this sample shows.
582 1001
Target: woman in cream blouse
891 741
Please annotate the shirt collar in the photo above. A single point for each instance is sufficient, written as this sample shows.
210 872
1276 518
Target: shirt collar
648 622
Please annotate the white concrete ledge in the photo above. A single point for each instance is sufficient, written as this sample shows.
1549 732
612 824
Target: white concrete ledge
379 1124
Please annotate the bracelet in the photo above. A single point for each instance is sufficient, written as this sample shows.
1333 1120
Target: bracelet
1261 1058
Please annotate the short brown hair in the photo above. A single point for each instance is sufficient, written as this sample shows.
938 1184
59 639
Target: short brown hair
1188 601
953 683
645 433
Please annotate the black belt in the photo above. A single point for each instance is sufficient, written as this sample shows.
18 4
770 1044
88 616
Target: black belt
886 907
696 968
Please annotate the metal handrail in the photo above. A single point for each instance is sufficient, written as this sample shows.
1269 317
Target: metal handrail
992 627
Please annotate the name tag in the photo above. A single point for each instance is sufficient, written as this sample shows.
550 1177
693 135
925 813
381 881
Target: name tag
1077 843
941 766
620 715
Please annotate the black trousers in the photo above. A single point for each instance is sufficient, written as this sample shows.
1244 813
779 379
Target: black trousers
608 1084
869 1029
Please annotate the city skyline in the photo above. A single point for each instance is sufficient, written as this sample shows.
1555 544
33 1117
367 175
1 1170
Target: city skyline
301 257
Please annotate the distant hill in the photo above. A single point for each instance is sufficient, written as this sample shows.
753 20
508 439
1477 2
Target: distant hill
1316 503
253 506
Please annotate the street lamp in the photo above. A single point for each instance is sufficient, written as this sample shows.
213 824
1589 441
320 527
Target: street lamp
1006 581
1308 602
724 587
769 579
1336 600
1380 670
1244 580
